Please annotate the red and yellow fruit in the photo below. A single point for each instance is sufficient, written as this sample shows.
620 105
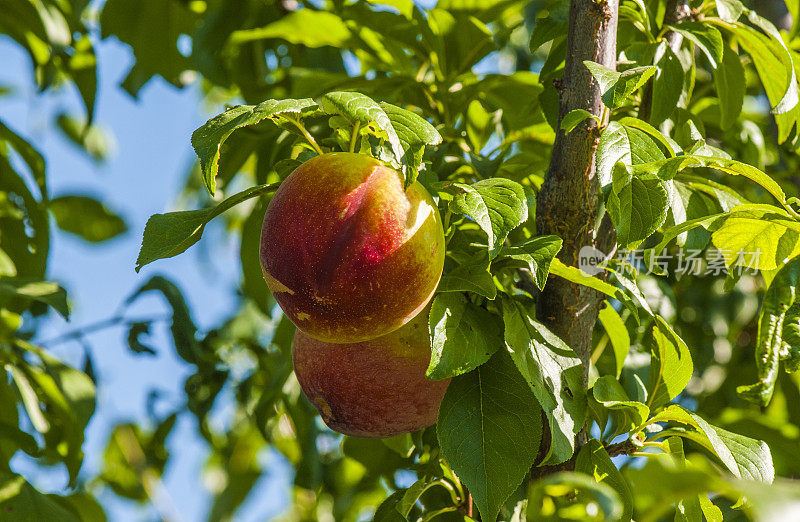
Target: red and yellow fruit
347 252
374 388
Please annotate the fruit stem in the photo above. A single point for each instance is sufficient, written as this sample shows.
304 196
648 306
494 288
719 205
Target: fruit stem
354 136
307 136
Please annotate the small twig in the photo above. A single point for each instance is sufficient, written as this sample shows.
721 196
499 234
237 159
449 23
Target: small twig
544 471
90 328
626 447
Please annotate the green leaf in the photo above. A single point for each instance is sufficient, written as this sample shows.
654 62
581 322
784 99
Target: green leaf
617 86
667 84
183 328
662 482
489 430
791 337
578 276
730 83
32 157
759 239
60 400
536 254
26 225
497 205
706 37
464 336
617 334
22 502
671 365
93 140
637 207
45 292
553 372
414 132
123 475
417 489
667 169
85 506
636 300
86 217
594 460
152 29
744 457
167 235
778 300
472 275
253 285
29 399
455 41
575 117
360 109
774 65
208 139
82 68
403 444
628 414
689 509
301 27
628 144
550 27
387 510
12 438
568 495
729 10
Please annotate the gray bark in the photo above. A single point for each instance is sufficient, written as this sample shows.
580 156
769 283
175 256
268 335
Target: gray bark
568 201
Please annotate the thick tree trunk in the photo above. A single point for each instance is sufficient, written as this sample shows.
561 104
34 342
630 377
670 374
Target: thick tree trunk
568 201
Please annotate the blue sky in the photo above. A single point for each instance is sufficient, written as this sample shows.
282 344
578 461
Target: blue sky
142 176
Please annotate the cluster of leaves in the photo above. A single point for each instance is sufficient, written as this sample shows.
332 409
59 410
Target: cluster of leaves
684 151
58 400
517 399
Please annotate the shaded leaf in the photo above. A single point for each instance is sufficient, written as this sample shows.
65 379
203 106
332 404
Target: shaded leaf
535 254
778 300
489 430
464 336
45 292
553 372
86 217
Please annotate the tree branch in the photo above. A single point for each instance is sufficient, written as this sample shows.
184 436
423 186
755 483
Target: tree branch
568 202
626 447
